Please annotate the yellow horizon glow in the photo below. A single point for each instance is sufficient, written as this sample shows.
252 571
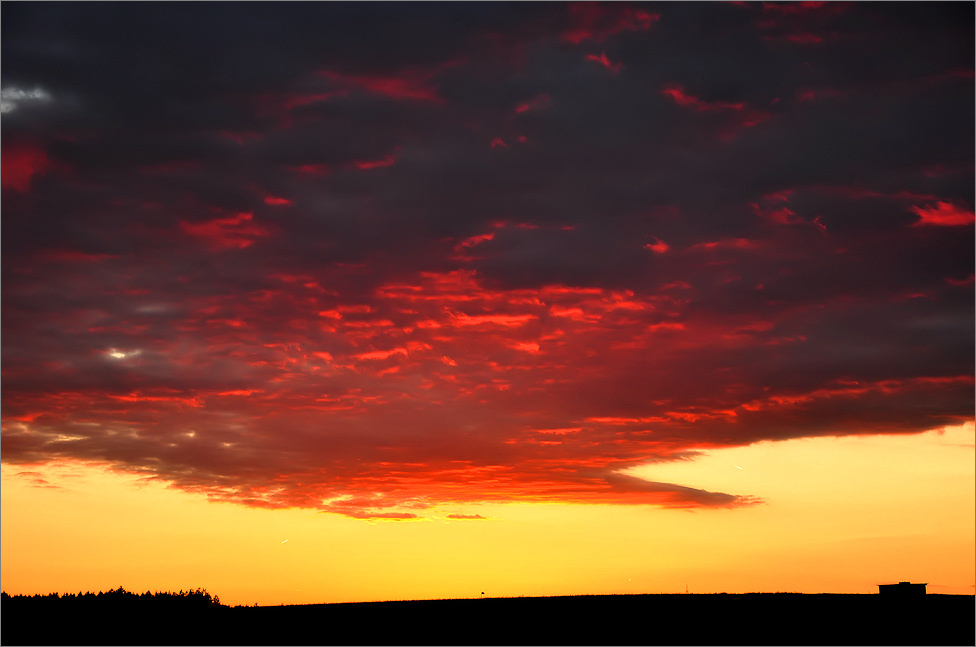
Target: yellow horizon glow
841 515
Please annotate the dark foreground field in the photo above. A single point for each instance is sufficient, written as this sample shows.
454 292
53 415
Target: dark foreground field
746 619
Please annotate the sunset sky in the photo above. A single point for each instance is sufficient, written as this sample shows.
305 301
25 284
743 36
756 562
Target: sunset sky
330 302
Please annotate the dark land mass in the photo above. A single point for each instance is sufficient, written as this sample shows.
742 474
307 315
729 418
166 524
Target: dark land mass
696 619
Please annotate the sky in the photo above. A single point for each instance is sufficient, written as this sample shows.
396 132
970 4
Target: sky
325 302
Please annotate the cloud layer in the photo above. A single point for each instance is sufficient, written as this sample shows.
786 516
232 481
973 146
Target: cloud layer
377 258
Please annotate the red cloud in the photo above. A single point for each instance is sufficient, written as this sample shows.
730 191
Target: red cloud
605 62
744 117
461 250
365 165
20 163
777 213
960 282
793 8
538 103
311 169
440 390
409 86
943 214
233 232
599 21
678 94
280 106
802 23
658 246
387 160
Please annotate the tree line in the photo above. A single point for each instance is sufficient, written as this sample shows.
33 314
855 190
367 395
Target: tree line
191 599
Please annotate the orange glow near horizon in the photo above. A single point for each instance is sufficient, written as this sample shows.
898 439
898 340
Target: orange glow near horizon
839 515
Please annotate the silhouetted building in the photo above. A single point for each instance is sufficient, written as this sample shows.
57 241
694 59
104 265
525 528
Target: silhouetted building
902 589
